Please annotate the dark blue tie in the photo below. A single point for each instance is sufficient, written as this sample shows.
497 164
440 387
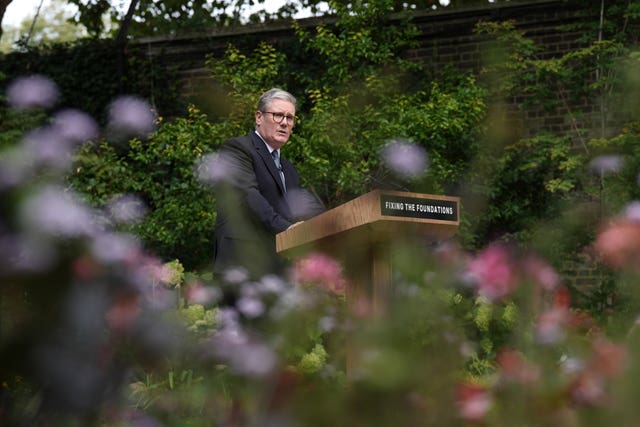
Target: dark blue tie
276 159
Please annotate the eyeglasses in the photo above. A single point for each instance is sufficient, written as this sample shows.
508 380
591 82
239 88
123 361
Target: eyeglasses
279 117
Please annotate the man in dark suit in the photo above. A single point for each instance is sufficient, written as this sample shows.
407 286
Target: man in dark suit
256 199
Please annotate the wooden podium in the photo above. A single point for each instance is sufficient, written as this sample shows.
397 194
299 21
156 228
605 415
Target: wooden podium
362 233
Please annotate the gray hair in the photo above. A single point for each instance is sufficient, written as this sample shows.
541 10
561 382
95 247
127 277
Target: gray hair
275 93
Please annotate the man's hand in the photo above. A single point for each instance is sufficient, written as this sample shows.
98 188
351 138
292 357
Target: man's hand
293 225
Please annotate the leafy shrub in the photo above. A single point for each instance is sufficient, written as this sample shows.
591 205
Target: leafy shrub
92 72
161 172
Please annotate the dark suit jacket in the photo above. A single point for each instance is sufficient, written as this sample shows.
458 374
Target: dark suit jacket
252 206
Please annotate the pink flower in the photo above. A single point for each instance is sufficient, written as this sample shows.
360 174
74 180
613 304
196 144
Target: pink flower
561 297
589 389
619 244
124 311
473 402
197 293
607 361
542 274
514 367
322 270
551 325
493 273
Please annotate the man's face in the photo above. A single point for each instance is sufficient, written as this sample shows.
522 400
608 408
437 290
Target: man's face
274 133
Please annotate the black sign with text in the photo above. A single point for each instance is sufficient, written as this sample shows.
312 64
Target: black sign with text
413 207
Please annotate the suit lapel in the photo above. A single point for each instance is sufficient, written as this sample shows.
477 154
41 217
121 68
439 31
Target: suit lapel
263 151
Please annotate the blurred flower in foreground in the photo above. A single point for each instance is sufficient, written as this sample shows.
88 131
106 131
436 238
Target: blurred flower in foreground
551 325
319 269
245 355
111 247
197 293
473 402
606 165
123 312
632 211
303 204
130 117
126 209
32 92
56 212
607 361
75 126
618 243
213 168
514 367
542 274
236 275
493 273
405 158
46 147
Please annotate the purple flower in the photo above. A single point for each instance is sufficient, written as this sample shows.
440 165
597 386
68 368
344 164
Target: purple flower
126 209
272 284
236 275
75 126
216 167
606 165
129 117
251 307
32 92
25 253
405 159
56 212
632 211
47 147
320 269
245 355
115 247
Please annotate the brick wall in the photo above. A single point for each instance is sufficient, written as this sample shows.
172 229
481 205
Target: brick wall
446 39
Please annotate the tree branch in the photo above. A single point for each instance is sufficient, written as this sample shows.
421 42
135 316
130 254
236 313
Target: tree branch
3 8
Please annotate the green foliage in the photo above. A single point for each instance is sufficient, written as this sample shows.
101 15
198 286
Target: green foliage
199 320
379 96
243 79
436 331
618 187
161 172
313 361
174 273
531 178
91 73
361 42
14 124
491 326
565 82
